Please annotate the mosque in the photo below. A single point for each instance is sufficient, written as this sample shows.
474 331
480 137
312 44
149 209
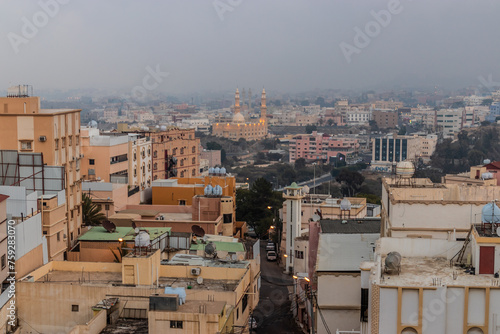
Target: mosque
239 127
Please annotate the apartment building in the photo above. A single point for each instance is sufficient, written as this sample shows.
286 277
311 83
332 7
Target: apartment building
55 133
321 146
85 296
385 119
449 121
388 150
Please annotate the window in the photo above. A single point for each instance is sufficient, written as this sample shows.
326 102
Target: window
194 161
364 305
175 324
194 149
155 166
58 236
182 150
106 207
71 235
244 303
74 308
91 162
194 172
56 144
25 144
70 140
237 313
182 202
4 262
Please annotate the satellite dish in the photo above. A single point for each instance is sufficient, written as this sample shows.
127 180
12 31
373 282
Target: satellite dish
109 226
316 217
198 231
498 231
134 226
306 189
199 280
210 249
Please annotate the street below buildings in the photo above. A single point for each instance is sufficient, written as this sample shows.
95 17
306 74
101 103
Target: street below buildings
273 314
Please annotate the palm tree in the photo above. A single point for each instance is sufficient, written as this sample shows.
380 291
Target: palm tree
90 211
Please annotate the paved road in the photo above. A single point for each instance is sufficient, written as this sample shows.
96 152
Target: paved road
311 183
273 313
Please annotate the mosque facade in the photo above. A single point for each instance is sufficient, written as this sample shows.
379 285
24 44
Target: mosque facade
239 127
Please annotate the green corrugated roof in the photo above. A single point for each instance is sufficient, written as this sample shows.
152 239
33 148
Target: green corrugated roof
221 246
99 233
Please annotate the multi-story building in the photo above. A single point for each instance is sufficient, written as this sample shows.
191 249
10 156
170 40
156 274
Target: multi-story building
190 294
320 146
387 105
449 121
239 127
494 112
385 119
389 150
359 115
55 133
423 209
213 157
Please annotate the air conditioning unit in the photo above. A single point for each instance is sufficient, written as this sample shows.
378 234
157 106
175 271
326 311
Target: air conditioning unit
195 271
42 138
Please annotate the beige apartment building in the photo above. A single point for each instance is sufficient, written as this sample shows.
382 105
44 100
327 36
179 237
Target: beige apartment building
55 133
116 157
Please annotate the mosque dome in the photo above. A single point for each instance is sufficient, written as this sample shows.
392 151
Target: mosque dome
238 118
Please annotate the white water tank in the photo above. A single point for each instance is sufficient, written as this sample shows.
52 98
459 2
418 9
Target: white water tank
142 239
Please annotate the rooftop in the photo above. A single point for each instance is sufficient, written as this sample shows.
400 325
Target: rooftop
193 306
351 226
344 252
99 233
420 271
221 246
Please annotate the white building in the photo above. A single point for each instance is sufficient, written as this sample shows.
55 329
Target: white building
449 121
292 222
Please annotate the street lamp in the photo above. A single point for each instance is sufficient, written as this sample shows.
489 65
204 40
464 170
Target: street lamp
309 293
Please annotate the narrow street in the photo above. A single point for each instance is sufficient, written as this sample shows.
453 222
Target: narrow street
273 313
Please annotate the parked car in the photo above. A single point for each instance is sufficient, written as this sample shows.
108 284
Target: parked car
270 246
271 256
252 323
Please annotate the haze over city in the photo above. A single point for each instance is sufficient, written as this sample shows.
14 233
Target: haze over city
212 46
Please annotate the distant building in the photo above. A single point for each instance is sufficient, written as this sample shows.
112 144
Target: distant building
239 127
449 121
494 112
385 119
213 157
389 150
321 146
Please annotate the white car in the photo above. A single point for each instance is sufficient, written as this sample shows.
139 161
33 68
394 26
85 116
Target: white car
271 256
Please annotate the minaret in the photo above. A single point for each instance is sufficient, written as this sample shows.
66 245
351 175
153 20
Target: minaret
263 108
237 102
293 200
243 97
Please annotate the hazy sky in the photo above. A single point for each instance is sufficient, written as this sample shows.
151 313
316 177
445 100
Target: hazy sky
286 45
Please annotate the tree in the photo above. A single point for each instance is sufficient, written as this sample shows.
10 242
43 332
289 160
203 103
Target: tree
351 181
214 146
310 128
321 121
320 101
253 205
304 103
487 102
402 131
91 214
300 163
330 122
373 125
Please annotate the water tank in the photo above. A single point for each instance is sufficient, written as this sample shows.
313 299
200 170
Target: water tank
393 262
345 204
405 169
486 176
490 213
223 171
208 190
486 161
92 124
163 128
218 190
142 239
217 171
211 170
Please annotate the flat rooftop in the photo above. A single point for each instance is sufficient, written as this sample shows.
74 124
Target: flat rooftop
193 306
107 278
99 233
350 226
420 271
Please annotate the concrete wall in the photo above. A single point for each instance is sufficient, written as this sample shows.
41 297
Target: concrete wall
193 323
94 326
339 296
420 247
